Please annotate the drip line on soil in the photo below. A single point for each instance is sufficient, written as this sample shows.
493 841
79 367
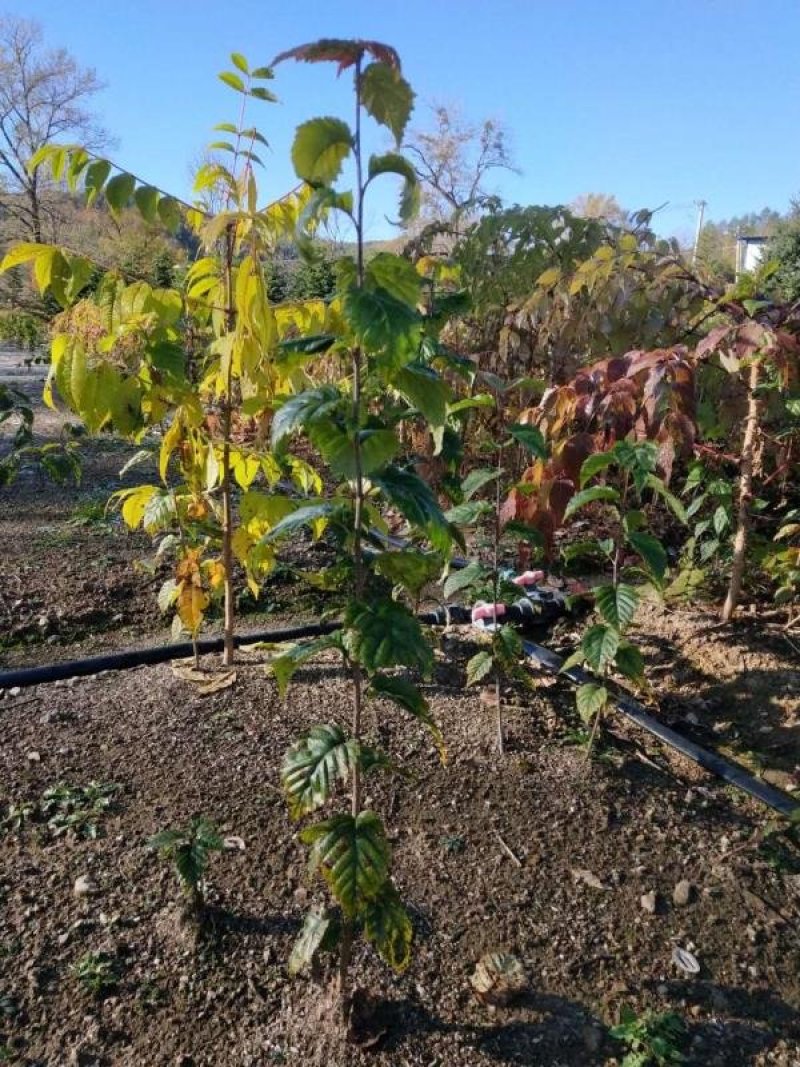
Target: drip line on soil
728 771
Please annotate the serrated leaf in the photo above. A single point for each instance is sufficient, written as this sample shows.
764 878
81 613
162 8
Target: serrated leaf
411 569
387 97
304 516
617 604
531 437
476 480
604 493
315 762
301 409
425 389
479 666
469 513
394 163
284 666
599 645
593 465
337 447
354 855
629 661
320 147
382 323
414 498
397 275
169 211
590 699
384 633
464 578
146 199
388 927
404 693
317 927
651 551
118 192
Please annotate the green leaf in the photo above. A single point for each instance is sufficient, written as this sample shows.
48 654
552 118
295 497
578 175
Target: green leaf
479 666
407 696
387 97
382 323
721 520
469 513
629 661
599 645
316 761
593 465
394 163
409 568
232 79
320 146
651 551
353 855
425 389
119 191
169 211
464 578
302 517
617 604
589 496
388 927
476 480
385 634
415 500
397 275
95 178
146 199
240 62
531 437
260 93
590 698
338 448
302 409
317 927
283 667
672 502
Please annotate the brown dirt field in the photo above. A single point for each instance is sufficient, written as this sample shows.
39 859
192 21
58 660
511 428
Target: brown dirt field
589 840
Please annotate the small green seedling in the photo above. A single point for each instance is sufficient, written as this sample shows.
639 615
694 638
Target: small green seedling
97 972
77 809
17 817
189 849
651 1038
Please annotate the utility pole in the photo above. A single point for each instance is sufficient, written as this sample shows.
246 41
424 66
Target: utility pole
701 207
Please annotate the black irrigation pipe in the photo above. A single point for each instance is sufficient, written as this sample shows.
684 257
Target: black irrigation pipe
728 771
138 657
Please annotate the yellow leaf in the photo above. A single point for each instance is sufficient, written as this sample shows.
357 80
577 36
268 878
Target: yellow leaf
169 443
135 503
245 469
192 602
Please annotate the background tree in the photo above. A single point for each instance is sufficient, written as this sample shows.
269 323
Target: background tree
602 206
453 160
784 249
43 98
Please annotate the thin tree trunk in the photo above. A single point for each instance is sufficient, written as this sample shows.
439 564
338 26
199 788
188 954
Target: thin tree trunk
745 493
227 510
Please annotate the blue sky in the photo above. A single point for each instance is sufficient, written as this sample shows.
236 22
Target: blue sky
651 100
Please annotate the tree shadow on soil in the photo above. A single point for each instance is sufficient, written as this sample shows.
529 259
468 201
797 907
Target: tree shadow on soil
563 1032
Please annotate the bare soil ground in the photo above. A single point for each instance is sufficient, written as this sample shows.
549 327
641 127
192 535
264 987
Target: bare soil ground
535 852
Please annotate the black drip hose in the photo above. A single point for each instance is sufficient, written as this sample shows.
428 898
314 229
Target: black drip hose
518 613
730 772
120 661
